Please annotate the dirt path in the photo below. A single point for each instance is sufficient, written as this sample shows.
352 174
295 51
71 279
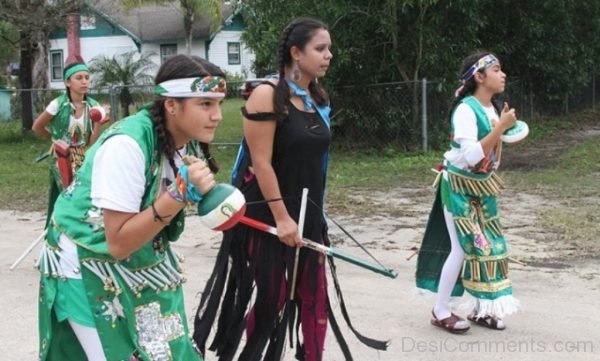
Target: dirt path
544 154
558 297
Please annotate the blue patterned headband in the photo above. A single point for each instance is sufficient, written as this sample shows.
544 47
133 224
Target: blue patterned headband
480 64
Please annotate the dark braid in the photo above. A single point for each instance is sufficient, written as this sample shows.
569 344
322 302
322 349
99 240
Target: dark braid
297 33
68 90
471 85
468 89
166 144
210 160
282 92
176 67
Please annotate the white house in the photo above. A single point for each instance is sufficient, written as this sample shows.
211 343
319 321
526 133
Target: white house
106 29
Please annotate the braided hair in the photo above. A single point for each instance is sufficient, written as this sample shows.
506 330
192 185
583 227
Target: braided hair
297 33
176 67
470 86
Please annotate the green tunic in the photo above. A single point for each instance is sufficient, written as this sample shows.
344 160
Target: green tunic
76 137
137 303
471 198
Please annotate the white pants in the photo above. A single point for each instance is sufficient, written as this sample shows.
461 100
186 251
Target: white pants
90 341
450 271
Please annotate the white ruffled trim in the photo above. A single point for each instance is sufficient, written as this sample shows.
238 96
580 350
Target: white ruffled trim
500 307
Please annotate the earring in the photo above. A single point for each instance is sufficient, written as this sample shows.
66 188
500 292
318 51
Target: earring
296 73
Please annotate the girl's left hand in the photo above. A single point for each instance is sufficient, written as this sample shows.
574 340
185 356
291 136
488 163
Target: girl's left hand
508 117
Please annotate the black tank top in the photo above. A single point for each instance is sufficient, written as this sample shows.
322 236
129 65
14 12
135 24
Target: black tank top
301 141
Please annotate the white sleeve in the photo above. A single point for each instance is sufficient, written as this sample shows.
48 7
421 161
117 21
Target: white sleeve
118 175
52 107
465 134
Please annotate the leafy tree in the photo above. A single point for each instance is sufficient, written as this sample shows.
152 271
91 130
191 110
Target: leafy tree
34 20
373 42
550 46
191 9
123 70
9 40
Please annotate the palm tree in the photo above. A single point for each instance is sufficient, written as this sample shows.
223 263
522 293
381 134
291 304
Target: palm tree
191 10
123 70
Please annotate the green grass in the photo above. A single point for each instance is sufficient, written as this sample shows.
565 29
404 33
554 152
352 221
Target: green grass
230 128
573 182
545 127
23 183
571 179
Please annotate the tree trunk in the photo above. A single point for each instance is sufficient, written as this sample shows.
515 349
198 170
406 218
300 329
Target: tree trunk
40 65
188 21
125 99
26 82
39 73
416 105
418 62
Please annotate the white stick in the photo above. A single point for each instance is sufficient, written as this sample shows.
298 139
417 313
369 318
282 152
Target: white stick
29 249
301 218
95 270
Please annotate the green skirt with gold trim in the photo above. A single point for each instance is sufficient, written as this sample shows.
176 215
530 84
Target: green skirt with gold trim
471 198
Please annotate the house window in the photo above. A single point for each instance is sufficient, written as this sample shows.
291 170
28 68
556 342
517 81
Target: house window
233 53
87 22
56 65
166 50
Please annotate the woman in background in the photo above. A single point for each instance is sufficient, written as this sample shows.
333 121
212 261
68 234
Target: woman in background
66 122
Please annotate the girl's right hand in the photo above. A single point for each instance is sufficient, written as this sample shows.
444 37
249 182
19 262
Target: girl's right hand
287 231
507 118
200 175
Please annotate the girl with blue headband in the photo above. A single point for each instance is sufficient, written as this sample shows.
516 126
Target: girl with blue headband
67 123
111 283
464 247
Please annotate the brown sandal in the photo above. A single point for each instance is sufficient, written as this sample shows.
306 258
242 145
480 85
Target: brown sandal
450 323
488 321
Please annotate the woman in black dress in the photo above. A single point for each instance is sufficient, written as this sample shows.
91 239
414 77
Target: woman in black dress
285 148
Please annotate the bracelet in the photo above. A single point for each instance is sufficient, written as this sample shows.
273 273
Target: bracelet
182 190
173 191
158 217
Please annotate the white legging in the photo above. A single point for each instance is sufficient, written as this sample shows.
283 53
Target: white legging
90 341
450 271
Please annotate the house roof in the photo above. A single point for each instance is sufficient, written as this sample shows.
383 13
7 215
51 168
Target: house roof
155 23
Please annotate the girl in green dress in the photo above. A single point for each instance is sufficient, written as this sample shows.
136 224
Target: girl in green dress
464 246
111 282
67 119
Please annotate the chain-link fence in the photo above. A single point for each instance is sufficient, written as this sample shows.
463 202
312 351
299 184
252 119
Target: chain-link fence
376 115
415 115
142 94
407 116
123 100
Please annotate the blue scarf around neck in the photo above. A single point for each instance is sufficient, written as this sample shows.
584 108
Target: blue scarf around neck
309 103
